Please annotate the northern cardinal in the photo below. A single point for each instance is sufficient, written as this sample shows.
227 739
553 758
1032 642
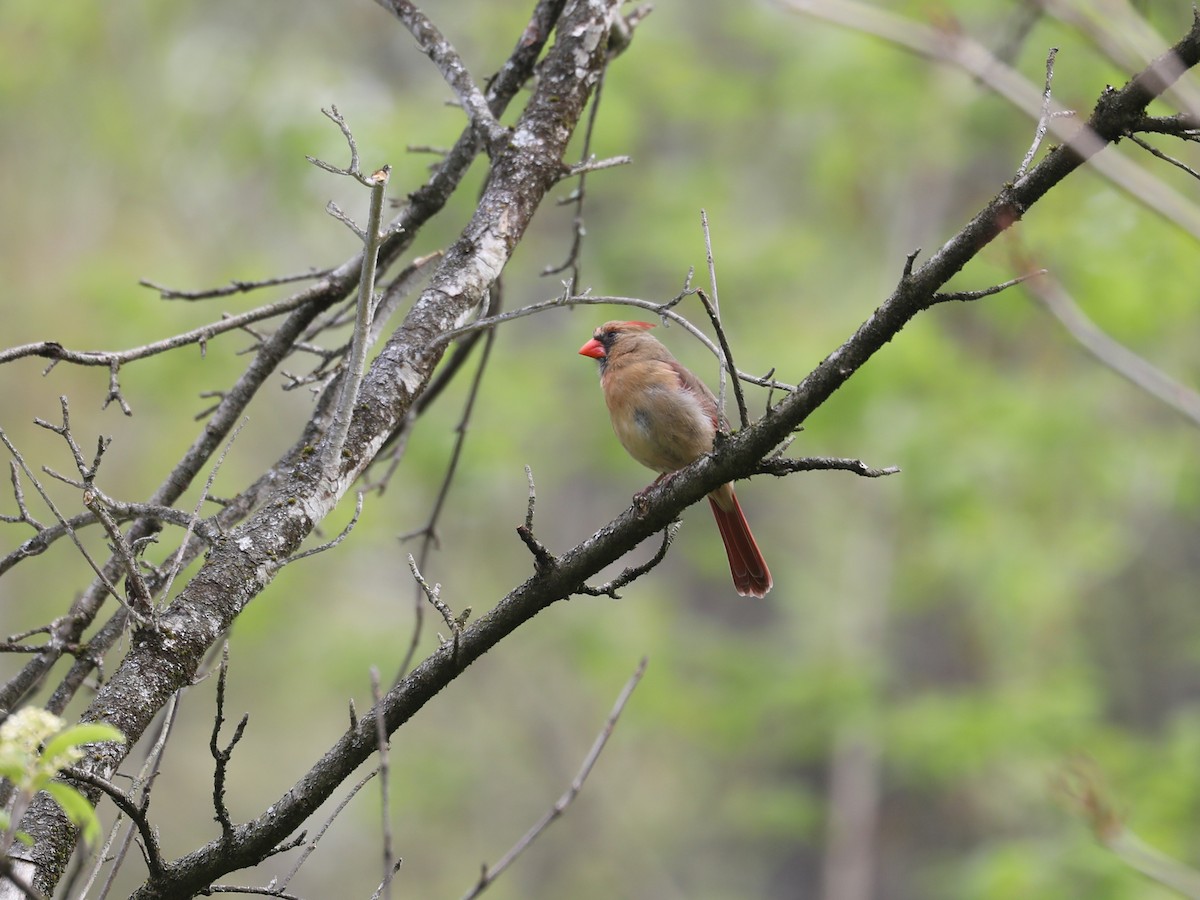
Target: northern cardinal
666 417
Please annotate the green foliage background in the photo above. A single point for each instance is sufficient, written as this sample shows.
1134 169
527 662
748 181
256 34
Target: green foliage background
1023 595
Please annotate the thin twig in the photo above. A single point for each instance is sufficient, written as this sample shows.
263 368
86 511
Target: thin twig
237 286
362 328
358 505
120 511
713 308
177 562
580 193
100 575
727 358
632 573
433 593
19 496
222 756
428 533
543 559
532 501
1163 156
55 351
143 782
1058 301
968 296
139 602
566 300
351 170
491 873
596 165
312 845
381 739
136 813
1043 119
453 70
782 465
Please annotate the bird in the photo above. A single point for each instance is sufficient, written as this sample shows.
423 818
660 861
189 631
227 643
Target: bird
665 418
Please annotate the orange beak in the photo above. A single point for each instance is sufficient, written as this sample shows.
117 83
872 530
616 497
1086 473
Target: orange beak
592 348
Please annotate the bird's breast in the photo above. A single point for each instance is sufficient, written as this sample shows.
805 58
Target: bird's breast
661 427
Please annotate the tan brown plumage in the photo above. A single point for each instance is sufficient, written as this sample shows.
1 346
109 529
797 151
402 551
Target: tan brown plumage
666 417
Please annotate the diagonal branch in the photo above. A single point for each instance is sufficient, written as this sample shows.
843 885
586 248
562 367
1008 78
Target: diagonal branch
957 49
1158 384
453 69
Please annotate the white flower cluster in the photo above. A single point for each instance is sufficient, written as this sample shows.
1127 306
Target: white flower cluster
21 736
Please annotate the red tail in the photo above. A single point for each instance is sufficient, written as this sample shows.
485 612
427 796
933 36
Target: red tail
751 577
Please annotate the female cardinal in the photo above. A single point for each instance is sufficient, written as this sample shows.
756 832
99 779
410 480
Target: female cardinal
666 417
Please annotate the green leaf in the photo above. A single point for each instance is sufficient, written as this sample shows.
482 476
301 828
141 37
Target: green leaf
77 735
13 771
77 808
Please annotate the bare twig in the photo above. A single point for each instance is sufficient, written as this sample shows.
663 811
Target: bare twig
713 308
1043 119
113 358
142 782
591 164
19 496
453 70
543 559
310 846
353 376
578 195
118 510
532 501
236 286
328 545
661 309
714 316
100 574
780 465
1055 298
632 573
1154 151
222 756
135 811
968 296
352 170
428 532
390 865
490 873
178 561
139 602
433 595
